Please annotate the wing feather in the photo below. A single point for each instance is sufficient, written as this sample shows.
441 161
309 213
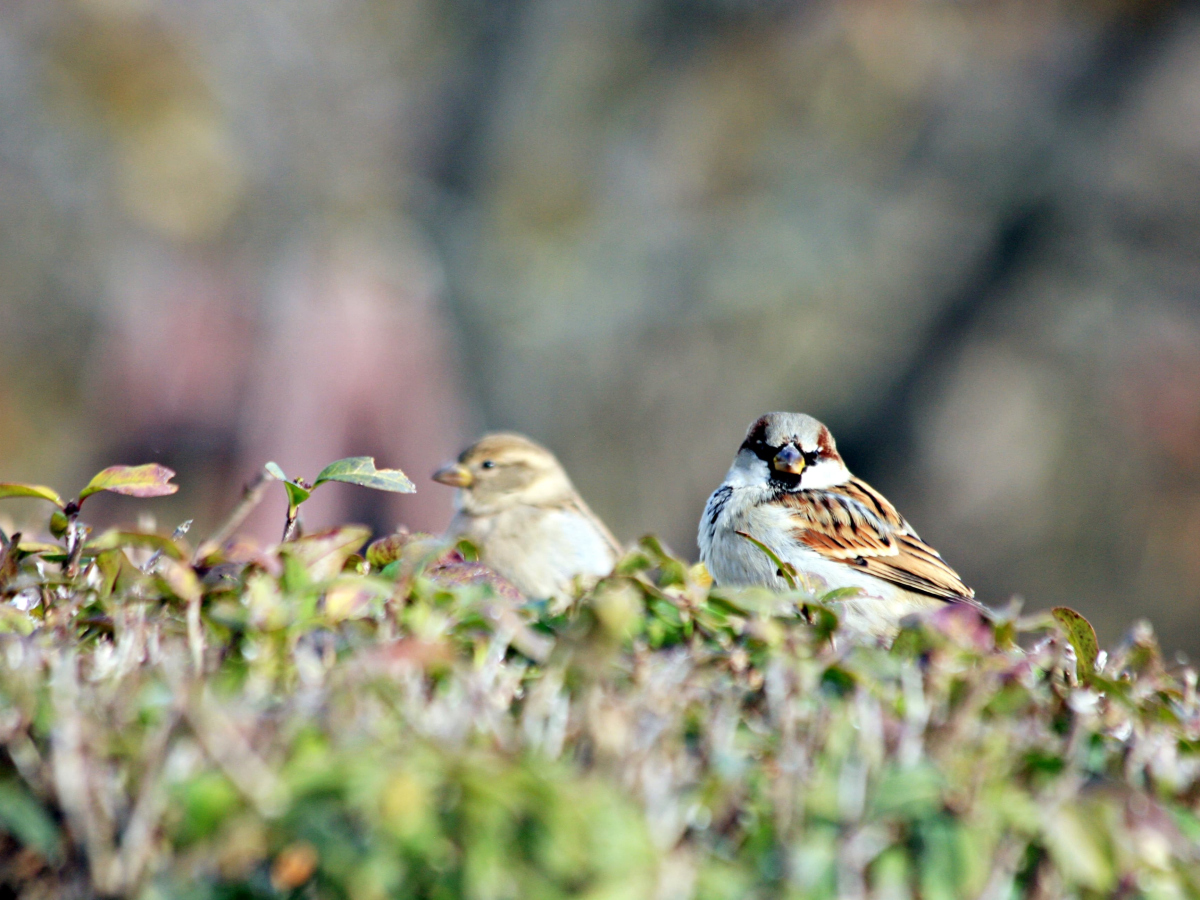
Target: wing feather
852 523
586 511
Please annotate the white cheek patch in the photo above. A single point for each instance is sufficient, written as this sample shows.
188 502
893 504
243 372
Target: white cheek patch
747 471
824 474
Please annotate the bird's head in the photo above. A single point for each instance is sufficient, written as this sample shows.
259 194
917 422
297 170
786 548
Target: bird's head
504 470
792 451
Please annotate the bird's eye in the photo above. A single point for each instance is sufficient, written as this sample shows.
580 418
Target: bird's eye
488 464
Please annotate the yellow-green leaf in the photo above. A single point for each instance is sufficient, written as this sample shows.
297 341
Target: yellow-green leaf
182 580
13 489
149 480
29 548
1082 637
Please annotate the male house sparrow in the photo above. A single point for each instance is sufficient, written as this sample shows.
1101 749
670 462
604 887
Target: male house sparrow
517 505
789 489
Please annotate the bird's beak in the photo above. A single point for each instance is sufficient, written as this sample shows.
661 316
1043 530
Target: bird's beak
789 459
456 475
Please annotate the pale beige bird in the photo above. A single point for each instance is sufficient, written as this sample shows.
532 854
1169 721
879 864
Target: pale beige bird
789 489
517 505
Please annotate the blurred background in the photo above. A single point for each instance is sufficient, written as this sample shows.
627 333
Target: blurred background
964 234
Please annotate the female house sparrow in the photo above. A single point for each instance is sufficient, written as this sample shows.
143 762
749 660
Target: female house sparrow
517 505
789 489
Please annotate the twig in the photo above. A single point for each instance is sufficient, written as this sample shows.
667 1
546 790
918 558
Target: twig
85 817
137 843
291 528
195 634
225 745
77 534
251 496
180 531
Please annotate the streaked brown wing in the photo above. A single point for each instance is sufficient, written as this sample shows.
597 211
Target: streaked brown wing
854 524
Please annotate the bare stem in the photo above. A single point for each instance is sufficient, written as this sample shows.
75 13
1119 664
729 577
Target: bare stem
291 529
251 496
195 635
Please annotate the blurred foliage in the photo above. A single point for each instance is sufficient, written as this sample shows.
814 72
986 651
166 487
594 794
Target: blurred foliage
962 234
309 720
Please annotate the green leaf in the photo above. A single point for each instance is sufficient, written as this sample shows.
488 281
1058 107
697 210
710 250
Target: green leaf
785 569
59 523
361 470
13 489
108 564
914 792
204 803
296 493
842 593
1082 637
1076 840
824 620
149 480
25 819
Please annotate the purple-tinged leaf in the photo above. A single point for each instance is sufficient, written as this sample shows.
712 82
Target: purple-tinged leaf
149 480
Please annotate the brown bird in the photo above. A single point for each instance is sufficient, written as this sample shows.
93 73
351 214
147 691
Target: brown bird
517 505
789 489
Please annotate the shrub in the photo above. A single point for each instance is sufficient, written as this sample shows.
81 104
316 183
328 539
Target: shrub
302 720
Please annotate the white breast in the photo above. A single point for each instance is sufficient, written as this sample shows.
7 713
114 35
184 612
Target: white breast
540 551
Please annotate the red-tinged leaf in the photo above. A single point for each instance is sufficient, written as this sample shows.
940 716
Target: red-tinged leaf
463 574
408 652
240 550
13 489
966 625
325 552
149 480
348 599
